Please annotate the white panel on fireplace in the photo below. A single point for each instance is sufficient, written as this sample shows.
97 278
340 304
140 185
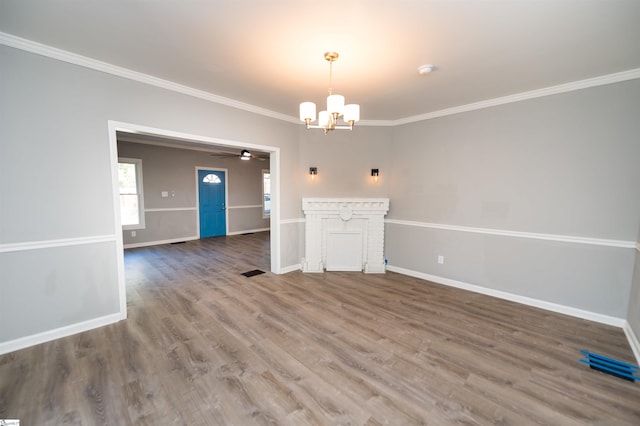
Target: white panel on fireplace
344 250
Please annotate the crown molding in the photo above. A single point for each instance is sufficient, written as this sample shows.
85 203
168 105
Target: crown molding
547 91
83 61
376 123
72 58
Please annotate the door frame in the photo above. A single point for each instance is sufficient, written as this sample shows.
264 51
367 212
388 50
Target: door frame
226 196
186 139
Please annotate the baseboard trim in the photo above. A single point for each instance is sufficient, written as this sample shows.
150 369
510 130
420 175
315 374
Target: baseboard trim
537 303
172 209
290 268
292 221
58 333
159 242
247 231
632 337
255 206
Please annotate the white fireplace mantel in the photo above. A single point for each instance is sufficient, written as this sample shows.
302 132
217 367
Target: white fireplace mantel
344 234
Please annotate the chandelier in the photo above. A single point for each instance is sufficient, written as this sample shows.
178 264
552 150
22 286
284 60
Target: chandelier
336 108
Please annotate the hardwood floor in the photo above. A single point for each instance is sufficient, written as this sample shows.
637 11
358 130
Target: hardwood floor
204 345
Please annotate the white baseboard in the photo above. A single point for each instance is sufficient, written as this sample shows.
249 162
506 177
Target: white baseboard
292 221
291 268
632 337
157 243
248 231
549 306
58 333
179 240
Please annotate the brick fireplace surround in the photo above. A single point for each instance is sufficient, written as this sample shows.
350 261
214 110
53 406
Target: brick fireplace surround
344 234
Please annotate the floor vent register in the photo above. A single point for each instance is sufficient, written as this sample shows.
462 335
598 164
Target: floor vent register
611 366
253 273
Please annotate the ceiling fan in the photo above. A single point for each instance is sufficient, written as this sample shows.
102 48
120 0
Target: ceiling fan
244 155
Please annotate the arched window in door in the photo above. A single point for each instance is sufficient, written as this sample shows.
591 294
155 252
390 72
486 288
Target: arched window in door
211 178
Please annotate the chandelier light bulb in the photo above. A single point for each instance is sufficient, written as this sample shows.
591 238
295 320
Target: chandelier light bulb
308 111
323 118
352 113
335 104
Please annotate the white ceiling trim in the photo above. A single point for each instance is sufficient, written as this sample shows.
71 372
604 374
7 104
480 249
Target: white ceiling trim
62 55
72 58
547 91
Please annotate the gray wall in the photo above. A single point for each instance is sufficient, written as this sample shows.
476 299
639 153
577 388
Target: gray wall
173 170
634 299
562 165
344 160
56 183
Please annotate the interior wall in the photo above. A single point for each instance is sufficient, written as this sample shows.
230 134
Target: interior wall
344 160
633 317
56 184
560 165
173 170
536 198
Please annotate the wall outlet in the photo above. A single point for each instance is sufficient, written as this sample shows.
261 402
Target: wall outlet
133 233
441 260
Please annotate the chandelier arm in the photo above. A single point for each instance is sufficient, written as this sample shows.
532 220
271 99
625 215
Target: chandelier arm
315 126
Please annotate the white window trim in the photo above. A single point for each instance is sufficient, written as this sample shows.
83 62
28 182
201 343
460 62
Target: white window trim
264 216
140 188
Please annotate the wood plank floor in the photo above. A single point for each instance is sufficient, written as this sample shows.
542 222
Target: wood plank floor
204 345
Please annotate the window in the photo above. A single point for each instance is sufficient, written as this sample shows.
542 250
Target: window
266 193
131 197
211 178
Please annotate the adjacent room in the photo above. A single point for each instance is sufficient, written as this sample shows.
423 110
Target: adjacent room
355 212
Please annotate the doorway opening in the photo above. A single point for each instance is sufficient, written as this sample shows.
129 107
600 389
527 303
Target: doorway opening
189 142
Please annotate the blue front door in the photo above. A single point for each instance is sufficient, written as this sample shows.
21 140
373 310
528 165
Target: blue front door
211 195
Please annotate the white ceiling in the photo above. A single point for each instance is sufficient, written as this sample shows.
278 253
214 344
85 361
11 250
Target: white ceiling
270 53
